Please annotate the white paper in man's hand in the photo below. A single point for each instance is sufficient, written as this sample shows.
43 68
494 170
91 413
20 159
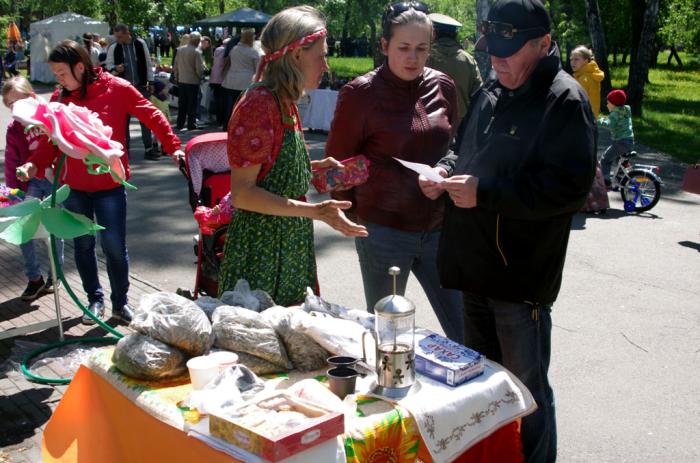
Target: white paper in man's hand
422 169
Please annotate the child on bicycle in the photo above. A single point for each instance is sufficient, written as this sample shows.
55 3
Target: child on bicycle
18 147
619 121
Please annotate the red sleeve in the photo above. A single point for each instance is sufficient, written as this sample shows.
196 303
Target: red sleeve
42 153
347 135
153 118
255 130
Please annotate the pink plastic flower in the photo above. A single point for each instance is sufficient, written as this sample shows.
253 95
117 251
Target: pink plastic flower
77 131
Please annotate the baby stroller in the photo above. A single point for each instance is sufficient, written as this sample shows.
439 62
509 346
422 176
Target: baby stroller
208 175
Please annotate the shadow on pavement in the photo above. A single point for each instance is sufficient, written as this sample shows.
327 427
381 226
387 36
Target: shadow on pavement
16 424
690 244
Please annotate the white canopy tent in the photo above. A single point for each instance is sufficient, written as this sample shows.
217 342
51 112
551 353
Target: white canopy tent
49 32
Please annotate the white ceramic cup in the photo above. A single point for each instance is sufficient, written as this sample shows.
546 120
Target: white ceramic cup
202 370
224 359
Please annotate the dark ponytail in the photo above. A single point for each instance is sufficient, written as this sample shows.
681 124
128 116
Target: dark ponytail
71 53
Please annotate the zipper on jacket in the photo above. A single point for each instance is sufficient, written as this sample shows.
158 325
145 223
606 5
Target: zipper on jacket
498 241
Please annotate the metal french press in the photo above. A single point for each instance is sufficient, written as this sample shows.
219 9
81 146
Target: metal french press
394 332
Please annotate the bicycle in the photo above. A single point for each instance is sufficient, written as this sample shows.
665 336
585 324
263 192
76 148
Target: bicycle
639 184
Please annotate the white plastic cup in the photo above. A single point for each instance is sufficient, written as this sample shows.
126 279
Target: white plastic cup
202 370
224 359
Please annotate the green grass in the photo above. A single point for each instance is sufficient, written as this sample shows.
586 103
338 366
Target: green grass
349 68
671 107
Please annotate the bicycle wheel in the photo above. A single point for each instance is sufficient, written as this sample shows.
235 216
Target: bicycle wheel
640 191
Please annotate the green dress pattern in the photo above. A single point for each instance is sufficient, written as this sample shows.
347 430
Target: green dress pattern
275 253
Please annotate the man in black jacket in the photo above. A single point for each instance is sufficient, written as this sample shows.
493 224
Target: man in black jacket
524 162
130 59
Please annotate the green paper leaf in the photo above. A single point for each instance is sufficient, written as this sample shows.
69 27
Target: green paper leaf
65 224
22 229
61 195
96 166
26 207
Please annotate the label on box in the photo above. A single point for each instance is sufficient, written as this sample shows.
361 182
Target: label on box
446 361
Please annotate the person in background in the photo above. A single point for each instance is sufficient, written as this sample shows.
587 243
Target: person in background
270 240
98 196
404 110
244 59
189 72
130 59
159 98
619 121
588 74
92 50
20 143
447 56
216 77
207 51
165 45
11 60
524 162
102 58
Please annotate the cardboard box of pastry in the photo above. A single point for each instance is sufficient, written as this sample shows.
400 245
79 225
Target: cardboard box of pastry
277 426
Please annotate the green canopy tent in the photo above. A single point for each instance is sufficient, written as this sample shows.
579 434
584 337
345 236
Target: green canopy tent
242 17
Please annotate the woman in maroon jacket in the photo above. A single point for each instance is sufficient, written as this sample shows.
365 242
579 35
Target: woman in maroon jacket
401 109
99 196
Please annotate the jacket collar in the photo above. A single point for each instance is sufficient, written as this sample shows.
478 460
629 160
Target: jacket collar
395 81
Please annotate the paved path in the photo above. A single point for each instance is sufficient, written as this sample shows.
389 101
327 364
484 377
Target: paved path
626 342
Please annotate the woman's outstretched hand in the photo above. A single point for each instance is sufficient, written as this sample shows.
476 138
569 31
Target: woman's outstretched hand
331 212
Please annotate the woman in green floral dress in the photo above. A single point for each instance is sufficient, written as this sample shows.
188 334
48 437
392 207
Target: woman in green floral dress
270 239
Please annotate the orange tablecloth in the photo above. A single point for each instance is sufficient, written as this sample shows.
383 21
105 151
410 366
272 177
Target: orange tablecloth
96 423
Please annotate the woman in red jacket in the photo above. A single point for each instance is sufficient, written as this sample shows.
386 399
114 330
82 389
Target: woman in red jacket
405 110
98 196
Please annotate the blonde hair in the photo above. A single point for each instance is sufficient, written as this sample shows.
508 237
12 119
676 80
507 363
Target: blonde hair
248 36
584 52
185 40
19 84
282 75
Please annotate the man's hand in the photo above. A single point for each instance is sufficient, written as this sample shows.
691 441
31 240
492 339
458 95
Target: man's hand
429 188
462 190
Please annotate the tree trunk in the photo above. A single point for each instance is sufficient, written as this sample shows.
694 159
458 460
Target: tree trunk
637 8
625 54
639 71
222 6
599 47
482 59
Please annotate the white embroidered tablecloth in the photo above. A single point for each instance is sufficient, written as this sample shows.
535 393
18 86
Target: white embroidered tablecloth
452 419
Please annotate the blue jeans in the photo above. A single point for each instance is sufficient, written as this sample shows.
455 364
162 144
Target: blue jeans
38 188
613 153
108 207
518 336
410 251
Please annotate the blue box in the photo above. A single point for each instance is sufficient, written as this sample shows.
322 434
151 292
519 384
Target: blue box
446 361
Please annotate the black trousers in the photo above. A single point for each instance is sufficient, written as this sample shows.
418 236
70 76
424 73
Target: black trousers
187 105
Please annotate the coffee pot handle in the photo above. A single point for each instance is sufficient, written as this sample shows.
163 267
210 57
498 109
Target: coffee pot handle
364 352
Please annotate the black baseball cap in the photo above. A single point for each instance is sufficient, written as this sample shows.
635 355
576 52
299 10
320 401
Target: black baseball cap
510 24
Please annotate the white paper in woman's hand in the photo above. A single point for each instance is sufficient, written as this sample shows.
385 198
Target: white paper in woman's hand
422 169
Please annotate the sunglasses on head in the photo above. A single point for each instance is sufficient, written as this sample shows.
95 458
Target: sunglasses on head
396 9
503 30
